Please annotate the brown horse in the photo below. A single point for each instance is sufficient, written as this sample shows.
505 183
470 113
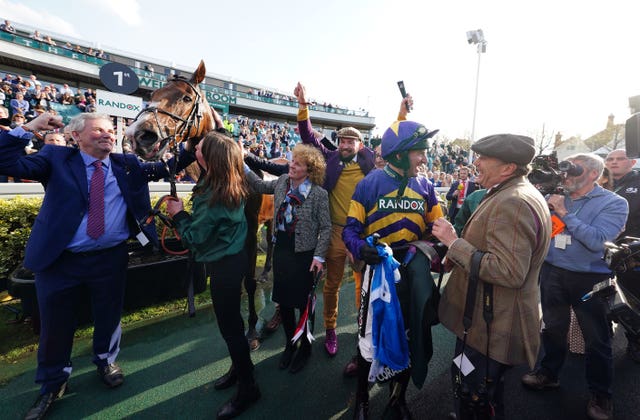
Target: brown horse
178 112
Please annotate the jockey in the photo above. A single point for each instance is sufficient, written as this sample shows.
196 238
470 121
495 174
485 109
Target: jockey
399 205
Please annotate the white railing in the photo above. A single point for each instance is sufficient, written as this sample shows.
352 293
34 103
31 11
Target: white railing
35 189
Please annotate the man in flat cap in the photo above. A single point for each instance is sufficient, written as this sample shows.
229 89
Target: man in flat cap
504 243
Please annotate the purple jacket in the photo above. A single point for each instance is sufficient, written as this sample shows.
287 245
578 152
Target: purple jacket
366 157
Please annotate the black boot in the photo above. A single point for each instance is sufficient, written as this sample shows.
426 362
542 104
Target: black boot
397 405
287 355
227 380
302 356
247 394
361 411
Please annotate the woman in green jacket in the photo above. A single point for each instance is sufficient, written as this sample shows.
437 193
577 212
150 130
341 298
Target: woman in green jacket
215 232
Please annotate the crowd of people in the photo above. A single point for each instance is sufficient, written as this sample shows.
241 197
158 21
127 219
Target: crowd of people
29 96
507 247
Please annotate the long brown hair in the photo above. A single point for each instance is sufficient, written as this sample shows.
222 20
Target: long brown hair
224 176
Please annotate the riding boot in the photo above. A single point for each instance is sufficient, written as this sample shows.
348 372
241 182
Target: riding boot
397 405
361 411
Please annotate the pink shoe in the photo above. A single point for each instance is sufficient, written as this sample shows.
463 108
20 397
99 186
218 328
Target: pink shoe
331 342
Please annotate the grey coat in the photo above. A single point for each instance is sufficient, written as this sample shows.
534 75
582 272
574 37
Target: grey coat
314 222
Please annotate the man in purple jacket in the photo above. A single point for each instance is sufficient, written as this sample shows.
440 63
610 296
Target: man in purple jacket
346 166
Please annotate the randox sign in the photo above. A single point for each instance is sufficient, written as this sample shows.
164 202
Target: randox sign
118 105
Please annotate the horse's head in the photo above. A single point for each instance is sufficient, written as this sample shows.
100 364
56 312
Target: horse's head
177 112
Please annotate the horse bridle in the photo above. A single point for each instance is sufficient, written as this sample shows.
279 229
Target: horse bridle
185 124
182 129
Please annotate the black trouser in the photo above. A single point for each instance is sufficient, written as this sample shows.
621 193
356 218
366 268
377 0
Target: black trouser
226 282
630 282
561 289
486 381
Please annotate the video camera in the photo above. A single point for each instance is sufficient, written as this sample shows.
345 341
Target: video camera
624 308
548 175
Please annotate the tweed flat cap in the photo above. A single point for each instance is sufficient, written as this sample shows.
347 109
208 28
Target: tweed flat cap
349 132
509 148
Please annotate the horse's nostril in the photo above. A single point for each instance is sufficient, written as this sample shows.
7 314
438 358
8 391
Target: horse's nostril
147 138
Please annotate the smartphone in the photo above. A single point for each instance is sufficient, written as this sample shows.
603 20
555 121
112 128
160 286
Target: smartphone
403 92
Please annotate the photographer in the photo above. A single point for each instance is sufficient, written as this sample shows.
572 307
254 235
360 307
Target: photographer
626 183
584 218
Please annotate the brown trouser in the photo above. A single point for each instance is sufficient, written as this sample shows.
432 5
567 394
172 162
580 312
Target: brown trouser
336 257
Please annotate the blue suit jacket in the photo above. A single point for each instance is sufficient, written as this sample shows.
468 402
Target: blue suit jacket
62 172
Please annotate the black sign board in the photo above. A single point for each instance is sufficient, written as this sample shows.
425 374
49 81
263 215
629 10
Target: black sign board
119 78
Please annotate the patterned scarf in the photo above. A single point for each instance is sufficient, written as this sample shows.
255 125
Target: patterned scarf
287 217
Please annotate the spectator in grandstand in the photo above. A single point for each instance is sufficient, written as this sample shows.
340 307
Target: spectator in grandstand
19 105
50 41
17 120
81 102
586 216
345 168
65 89
276 149
67 46
48 95
36 35
7 88
67 99
302 227
448 180
91 105
101 54
77 246
78 49
5 122
7 27
54 137
215 232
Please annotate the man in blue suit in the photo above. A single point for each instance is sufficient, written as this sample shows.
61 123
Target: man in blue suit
73 246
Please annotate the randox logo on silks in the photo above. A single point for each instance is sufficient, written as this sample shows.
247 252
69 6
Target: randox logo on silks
400 204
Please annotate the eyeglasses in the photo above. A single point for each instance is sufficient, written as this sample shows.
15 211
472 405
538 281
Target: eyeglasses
378 156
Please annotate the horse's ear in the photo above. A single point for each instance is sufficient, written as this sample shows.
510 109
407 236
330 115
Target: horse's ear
198 75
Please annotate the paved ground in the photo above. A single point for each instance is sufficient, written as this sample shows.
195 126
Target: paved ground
170 365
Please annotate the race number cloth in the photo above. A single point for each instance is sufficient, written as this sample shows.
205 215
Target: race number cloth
385 341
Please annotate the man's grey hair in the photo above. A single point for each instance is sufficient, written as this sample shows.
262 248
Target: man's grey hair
589 161
77 122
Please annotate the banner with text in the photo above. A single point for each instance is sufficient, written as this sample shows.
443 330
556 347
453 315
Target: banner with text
117 104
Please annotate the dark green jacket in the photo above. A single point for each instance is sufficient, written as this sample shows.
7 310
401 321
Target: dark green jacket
211 233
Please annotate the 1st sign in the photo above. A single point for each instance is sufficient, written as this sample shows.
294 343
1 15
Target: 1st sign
119 78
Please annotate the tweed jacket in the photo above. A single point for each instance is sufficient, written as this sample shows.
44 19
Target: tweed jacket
313 229
512 225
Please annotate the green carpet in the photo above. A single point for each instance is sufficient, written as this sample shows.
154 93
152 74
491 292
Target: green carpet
170 365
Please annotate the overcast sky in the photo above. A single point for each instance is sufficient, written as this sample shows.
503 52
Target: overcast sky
562 65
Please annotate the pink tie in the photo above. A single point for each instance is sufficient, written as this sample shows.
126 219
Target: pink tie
95 220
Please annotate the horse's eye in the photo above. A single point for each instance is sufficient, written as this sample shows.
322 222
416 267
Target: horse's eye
187 99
